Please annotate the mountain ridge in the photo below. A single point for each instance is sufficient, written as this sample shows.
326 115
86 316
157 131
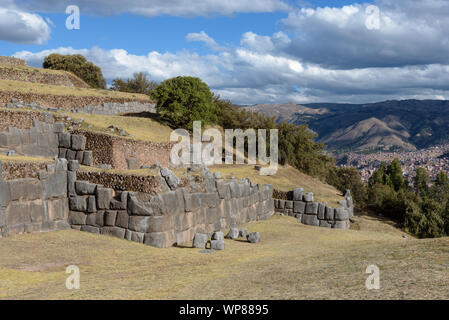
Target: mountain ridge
394 124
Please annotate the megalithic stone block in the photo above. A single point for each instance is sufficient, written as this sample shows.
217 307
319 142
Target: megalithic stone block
200 240
65 140
104 197
341 214
329 213
88 158
78 142
298 193
299 207
321 211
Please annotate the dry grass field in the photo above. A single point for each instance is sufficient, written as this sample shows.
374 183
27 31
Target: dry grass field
293 261
145 129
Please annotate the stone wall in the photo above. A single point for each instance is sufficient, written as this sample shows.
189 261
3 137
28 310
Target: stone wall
168 218
116 151
55 102
40 140
19 119
12 61
309 212
118 108
150 184
35 205
22 169
107 108
46 139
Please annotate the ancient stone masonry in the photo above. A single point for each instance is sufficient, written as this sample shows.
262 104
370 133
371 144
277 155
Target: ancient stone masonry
12 61
116 151
46 139
33 205
107 108
168 218
309 212
53 102
113 108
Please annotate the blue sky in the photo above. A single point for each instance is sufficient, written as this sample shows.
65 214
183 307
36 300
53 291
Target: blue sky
266 51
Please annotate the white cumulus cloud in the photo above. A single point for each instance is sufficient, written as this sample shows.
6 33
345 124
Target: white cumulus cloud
23 27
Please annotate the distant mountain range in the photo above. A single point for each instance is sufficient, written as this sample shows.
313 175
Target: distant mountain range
389 125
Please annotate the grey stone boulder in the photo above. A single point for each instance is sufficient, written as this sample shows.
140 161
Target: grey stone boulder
308 197
243 233
200 240
217 244
233 233
218 236
253 237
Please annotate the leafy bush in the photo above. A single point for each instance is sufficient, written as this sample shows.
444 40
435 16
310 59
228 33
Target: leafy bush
77 64
182 100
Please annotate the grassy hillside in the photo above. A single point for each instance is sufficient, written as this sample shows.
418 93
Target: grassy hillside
40 75
293 261
39 88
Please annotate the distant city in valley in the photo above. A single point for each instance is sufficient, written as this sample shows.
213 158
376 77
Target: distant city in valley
433 159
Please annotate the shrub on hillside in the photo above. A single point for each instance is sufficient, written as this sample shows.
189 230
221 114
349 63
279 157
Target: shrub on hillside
139 83
77 64
182 100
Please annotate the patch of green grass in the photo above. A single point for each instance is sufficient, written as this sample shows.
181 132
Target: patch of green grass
293 261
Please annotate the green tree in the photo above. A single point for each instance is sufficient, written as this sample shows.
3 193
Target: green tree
421 182
182 100
440 188
78 65
139 83
394 173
